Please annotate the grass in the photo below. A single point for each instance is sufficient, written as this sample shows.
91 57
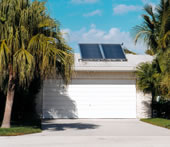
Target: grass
21 129
15 131
165 123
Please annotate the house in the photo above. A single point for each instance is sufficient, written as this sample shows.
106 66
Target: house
103 86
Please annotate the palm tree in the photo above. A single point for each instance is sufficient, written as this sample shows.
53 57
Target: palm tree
31 45
148 79
163 17
148 30
155 30
164 65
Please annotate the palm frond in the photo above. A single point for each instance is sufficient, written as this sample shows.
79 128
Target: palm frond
4 60
24 66
147 78
4 56
46 22
34 40
149 9
166 39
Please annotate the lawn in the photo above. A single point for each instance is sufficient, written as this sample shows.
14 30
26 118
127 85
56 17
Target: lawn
158 122
21 129
14 131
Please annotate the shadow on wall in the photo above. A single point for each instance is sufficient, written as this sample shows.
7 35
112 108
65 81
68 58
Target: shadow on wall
64 126
56 102
147 109
67 110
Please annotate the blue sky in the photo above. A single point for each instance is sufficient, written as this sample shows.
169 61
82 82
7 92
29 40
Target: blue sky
99 21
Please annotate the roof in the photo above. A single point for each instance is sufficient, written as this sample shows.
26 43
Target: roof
129 65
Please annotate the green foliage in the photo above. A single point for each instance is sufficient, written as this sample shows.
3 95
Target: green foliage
128 51
31 42
15 131
158 122
155 31
164 64
149 52
148 78
148 30
162 108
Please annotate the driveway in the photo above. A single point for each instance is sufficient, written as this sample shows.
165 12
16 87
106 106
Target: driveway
93 133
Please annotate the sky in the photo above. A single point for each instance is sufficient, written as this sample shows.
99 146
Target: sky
99 21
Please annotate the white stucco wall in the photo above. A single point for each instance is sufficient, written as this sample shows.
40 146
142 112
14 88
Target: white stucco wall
143 105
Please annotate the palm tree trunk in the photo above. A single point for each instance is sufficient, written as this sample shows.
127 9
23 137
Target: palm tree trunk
9 102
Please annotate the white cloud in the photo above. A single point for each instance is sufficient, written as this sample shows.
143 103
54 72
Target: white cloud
145 1
93 13
121 9
84 1
153 4
94 35
65 33
149 1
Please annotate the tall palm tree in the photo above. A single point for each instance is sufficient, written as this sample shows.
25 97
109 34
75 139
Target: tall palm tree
164 63
163 17
155 30
31 44
148 31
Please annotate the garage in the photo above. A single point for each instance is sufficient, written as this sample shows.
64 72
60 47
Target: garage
91 99
103 85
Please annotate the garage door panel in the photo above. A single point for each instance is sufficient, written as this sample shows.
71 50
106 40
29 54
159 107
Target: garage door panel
85 101
101 87
84 96
102 96
105 95
106 103
101 91
86 82
104 115
90 100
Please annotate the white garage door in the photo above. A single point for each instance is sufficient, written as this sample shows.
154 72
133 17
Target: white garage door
90 99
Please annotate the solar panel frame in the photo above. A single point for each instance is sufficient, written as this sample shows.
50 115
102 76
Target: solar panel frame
115 52
87 53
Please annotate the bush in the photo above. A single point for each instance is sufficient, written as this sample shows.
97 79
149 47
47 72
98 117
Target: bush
162 109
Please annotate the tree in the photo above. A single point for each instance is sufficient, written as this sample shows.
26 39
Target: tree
163 17
127 51
31 45
148 30
155 31
164 65
148 79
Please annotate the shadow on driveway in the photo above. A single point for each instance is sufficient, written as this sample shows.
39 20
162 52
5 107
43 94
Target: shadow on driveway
64 126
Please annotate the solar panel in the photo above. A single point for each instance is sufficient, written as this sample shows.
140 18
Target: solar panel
113 51
90 51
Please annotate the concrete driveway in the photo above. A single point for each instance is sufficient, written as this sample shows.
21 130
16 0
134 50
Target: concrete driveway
93 133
